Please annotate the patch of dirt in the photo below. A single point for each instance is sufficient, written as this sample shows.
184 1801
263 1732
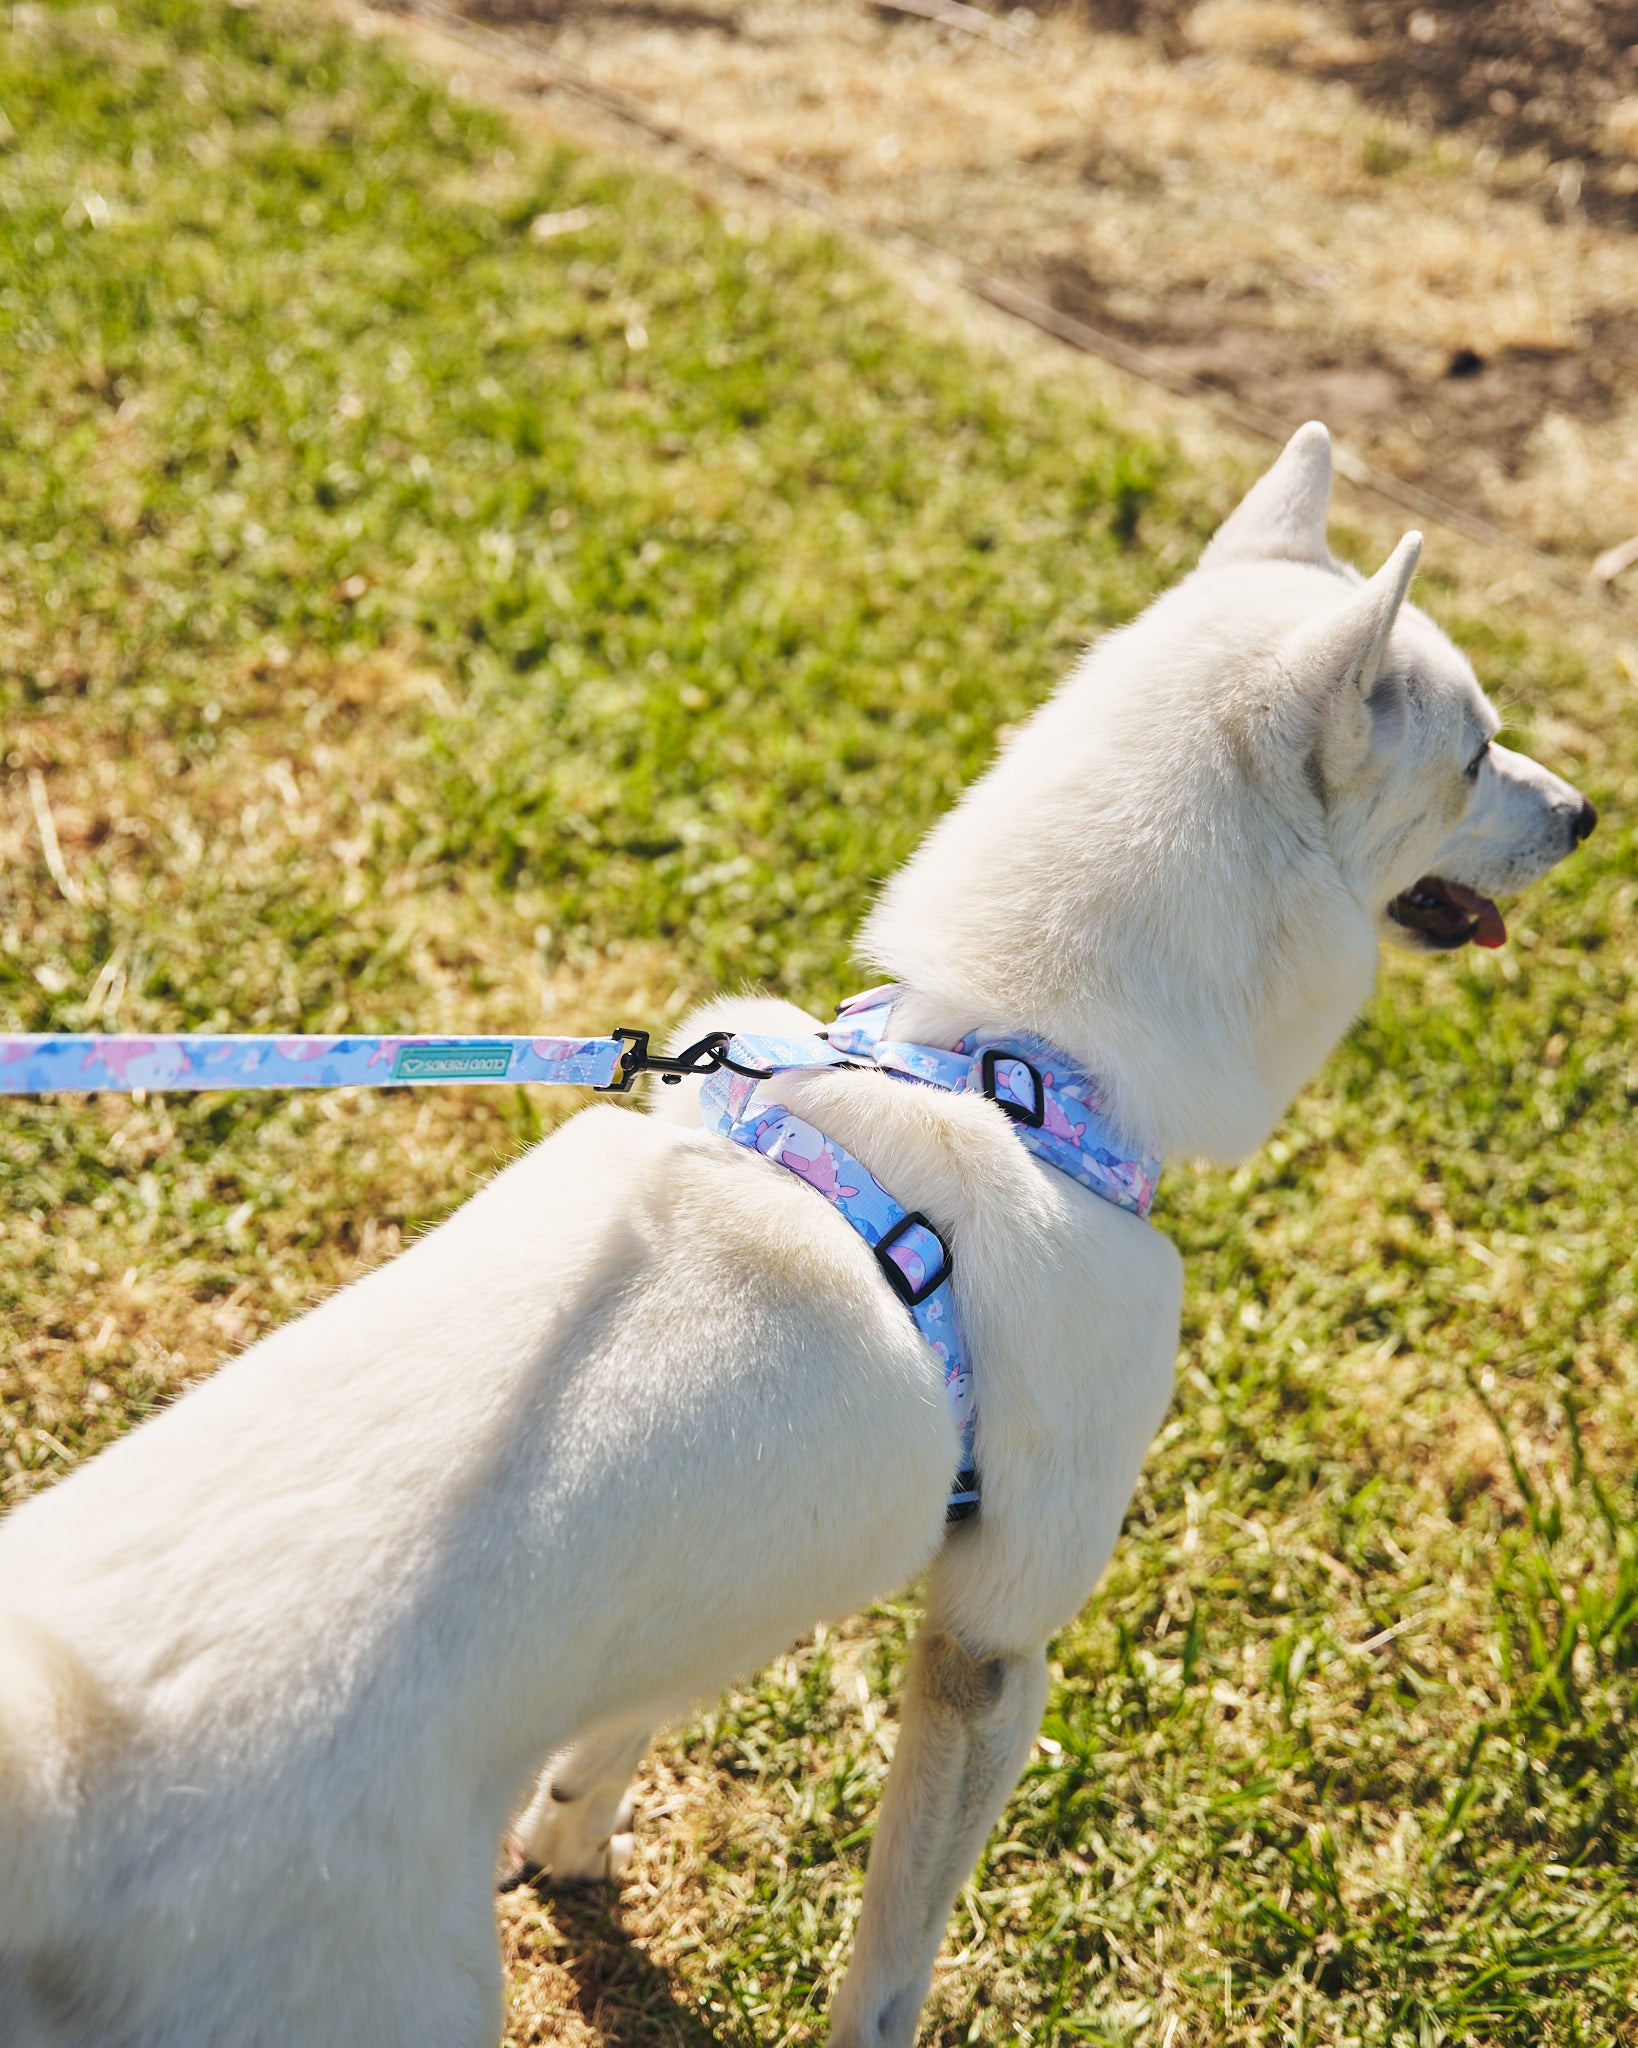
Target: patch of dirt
642 13
1159 20
1462 405
1555 76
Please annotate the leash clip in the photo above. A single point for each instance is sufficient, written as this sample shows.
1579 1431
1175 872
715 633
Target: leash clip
705 1056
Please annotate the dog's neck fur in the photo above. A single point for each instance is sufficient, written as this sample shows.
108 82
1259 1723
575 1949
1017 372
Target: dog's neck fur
1203 983
1196 1058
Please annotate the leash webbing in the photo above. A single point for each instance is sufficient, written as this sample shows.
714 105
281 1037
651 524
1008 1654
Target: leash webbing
179 1061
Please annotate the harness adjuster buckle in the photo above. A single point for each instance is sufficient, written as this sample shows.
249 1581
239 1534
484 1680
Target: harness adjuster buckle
1031 1115
705 1056
897 1278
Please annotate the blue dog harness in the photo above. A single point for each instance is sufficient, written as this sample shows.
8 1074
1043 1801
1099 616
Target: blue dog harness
1058 1111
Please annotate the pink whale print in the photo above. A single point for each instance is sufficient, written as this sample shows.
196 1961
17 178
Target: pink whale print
912 1265
819 1171
305 1048
1058 1125
244 1059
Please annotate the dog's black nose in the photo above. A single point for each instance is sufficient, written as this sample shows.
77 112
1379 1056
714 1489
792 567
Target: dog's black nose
1583 822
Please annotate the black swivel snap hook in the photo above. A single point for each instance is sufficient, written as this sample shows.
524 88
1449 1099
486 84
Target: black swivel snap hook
705 1056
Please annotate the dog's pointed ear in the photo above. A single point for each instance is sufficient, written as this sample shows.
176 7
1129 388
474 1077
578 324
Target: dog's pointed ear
1337 658
1282 517
1346 645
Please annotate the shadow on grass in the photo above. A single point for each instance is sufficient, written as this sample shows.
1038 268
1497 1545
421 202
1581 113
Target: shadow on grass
629 2000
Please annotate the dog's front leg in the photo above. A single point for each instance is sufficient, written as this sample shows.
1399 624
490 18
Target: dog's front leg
967 1723
577 1827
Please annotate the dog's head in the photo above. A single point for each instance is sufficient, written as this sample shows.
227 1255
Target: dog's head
1429 818
1180 868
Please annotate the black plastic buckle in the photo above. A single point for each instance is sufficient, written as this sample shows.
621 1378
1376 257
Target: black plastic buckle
1031 1117
705 1056
897 1278
963 1497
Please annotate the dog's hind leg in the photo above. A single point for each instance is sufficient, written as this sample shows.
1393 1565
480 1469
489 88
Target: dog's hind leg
577 1826
967 1724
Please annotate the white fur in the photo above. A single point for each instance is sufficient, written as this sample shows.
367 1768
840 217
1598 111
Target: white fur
275 1669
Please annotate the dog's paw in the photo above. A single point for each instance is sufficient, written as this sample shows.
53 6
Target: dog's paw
563 1847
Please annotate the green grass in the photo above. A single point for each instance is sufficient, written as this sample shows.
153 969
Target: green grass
406 620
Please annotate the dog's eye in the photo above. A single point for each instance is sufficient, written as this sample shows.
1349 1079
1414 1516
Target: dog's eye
1471 771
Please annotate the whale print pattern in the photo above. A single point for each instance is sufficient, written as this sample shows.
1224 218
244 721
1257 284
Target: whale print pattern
1073 1134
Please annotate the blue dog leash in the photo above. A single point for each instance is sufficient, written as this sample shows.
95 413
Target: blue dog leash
187 1061
1057 1110
1060 1112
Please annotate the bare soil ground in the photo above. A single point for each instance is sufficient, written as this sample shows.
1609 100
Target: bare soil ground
1408 222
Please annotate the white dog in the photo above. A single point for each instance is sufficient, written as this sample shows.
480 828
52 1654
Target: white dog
275 1669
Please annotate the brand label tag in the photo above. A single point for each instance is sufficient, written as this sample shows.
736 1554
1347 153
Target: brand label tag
451 1062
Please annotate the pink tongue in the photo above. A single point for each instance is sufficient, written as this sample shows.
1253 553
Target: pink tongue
1490 930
